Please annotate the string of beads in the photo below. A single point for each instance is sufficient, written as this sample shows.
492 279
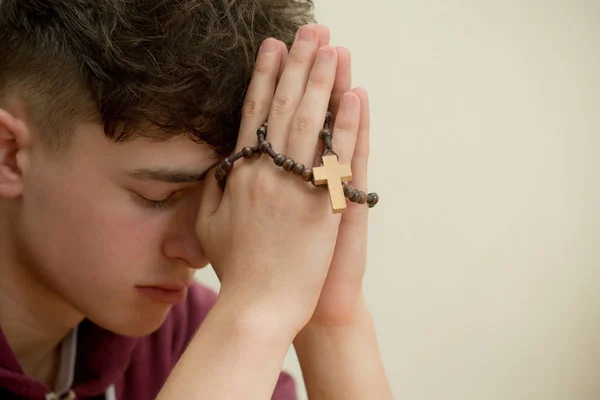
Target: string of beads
299 169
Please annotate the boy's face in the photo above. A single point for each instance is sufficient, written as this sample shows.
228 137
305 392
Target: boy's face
90 235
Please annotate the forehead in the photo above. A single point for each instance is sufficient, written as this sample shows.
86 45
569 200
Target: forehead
89 142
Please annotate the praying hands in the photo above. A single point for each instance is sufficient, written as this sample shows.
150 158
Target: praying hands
280 224
290 269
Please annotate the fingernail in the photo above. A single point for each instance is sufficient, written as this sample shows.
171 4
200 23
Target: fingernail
306 33
269 45
324 54
347 100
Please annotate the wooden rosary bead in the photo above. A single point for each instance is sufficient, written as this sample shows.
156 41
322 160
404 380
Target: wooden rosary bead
271 153
327 174
307 175
227 165
264 146
248 152
355 196
325 133
375 198
220 173
279 160
363 198
372 199
289 164
348 191
298 168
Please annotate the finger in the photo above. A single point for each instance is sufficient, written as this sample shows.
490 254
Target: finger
292 85
357 212
362 149
211 196
343 80
350 258
324 38
284 53
308 121
324 35
260 92
346 127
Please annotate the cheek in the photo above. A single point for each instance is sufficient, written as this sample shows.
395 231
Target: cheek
90 234
93 247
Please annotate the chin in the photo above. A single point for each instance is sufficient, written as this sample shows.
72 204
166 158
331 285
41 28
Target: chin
143 323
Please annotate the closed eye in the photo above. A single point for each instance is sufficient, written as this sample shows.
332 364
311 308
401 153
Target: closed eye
164 204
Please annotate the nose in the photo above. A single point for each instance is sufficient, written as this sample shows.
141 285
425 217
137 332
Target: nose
181 244
185 248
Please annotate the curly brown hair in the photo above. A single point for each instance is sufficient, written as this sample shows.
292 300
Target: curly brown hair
181 67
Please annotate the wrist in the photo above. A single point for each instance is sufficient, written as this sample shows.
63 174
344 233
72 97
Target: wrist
257 318
231 338
360 319
335 341
341 309
342 361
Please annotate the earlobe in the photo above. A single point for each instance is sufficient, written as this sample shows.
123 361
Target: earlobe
13 140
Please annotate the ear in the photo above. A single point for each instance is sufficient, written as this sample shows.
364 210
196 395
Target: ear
14 141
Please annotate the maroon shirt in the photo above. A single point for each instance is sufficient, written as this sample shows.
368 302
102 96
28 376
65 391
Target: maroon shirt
138 367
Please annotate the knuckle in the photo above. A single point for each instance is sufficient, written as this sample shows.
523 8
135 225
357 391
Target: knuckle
302 124
263 196
282 105
319 82
297 56
259 190
252 108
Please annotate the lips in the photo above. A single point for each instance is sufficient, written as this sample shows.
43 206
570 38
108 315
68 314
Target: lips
165 293
173 287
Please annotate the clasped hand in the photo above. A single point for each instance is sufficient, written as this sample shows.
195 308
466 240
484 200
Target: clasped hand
272 239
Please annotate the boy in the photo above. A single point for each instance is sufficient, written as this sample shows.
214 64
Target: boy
112 114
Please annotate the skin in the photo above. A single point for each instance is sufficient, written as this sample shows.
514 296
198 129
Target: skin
80 234
294 271
78 239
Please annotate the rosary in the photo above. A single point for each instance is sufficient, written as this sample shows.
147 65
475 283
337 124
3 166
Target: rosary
330 175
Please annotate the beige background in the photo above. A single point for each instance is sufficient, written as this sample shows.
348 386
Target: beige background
484 255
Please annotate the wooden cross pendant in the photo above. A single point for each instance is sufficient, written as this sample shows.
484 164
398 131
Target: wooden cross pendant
333 174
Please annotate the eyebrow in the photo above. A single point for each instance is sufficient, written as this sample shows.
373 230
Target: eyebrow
167 175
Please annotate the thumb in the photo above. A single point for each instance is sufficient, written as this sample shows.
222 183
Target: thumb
211 195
